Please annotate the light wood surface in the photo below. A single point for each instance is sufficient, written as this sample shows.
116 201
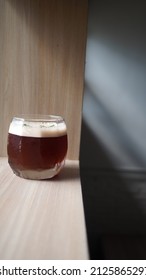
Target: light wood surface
42 51
42 219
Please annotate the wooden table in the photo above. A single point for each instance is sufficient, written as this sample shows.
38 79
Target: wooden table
42 219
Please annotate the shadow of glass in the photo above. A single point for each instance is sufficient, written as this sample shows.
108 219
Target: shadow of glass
68 173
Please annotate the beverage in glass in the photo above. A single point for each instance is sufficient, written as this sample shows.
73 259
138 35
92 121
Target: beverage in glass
37 146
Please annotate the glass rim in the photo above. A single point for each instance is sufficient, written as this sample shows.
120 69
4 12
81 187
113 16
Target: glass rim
38 118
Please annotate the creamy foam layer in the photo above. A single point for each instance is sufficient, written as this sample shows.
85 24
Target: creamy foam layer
38 129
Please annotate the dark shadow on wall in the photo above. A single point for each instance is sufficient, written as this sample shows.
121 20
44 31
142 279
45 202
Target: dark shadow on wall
110 131
114 200
120 24
114 203
115 80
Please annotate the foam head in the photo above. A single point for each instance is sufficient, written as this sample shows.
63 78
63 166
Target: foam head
38 128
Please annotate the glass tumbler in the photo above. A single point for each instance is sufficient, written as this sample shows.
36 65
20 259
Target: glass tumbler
37 146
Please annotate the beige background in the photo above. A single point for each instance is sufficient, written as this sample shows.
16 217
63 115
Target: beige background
42 53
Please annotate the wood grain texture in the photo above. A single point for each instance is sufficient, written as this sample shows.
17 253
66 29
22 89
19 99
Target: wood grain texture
42 219
42 51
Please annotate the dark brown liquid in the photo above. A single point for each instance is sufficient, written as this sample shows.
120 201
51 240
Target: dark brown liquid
34 153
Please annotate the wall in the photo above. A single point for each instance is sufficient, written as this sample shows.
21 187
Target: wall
114 115
42 51
113 145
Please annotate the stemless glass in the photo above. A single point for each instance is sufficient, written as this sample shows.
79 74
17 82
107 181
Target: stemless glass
37 146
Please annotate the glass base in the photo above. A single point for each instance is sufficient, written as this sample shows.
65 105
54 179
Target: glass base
40 174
